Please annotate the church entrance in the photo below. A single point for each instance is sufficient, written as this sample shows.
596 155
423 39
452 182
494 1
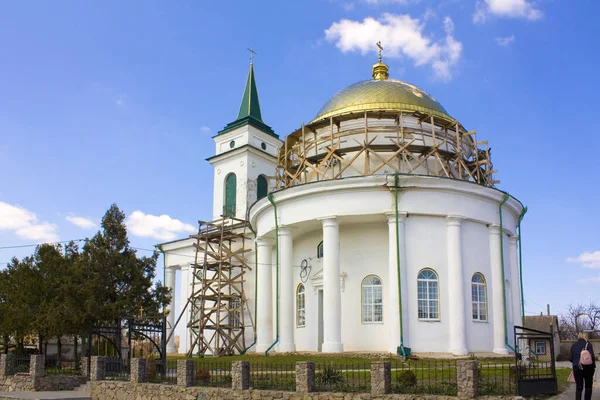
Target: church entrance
320 321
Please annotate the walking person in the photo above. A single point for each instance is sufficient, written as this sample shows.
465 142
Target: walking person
584 366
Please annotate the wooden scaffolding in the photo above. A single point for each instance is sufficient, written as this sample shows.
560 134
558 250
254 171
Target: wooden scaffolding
218 301
376 142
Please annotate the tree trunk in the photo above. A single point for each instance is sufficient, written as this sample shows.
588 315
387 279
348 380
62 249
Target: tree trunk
6 343
41 344
59 357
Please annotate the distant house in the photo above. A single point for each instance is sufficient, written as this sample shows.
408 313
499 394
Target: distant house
544 323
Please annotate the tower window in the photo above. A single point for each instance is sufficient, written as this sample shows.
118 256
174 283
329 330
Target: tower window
320 250
262 187
230 195
232 144
263 146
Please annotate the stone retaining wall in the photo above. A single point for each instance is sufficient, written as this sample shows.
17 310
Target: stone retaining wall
19 382
112 390
60 382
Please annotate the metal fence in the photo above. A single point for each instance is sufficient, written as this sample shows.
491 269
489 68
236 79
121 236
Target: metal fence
21 364
495 377
212 373
273 376
116 369
161 372
424 377
343 376
53 367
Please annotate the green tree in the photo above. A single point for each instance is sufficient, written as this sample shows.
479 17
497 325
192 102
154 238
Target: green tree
118 282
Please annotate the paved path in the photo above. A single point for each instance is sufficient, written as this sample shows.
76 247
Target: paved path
67 394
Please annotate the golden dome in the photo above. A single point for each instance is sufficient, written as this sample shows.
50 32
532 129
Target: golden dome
381 93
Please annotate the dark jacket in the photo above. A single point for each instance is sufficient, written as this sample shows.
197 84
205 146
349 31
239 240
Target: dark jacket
576 349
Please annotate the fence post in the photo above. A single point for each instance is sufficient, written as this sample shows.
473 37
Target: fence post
305 377
381 377
138 370
83 366
37 369
185 373
98 368
240 375
466 378
7 365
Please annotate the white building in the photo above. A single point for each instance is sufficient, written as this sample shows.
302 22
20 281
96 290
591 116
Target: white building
389 229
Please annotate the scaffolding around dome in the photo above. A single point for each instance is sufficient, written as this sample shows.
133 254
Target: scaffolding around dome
364 143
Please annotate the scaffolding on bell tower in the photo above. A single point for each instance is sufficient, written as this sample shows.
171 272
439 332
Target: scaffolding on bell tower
218 301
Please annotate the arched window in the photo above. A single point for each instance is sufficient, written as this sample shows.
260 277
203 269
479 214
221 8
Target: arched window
262 187
230 195
320 250
372 299
300 306
428 295
479 297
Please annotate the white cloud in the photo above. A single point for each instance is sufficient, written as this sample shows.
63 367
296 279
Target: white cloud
506 8
401 36
204 129
505 41
25 224
82 222
160 227
589 260
401 2
594 279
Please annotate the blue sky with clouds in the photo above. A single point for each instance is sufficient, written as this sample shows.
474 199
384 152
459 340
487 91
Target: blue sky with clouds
117 102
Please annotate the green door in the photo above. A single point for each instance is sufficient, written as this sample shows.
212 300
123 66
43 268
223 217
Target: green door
262 187
230 195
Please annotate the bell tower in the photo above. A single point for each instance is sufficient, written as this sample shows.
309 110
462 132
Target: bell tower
245 157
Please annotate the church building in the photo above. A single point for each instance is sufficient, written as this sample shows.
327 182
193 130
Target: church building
375 227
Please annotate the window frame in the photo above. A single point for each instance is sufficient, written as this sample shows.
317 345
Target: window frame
298 309
226 211
479 302
372 304
266 183
428 299
543 343
320 251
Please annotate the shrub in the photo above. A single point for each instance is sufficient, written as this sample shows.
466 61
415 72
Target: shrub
202 375
329 375
406 378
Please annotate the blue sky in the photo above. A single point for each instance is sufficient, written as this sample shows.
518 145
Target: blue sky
117 102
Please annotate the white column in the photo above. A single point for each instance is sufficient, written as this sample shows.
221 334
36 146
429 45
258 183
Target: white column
516 283
170 282
456 287
332 307
184 339
497 293
264 297
396 244
286 291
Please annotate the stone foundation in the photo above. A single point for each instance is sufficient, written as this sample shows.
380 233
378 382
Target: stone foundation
113 390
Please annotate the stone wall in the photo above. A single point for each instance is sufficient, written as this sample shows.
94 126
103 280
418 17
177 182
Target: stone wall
19 382
60 382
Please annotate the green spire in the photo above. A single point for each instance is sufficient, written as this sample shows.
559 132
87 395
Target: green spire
249 109
250 106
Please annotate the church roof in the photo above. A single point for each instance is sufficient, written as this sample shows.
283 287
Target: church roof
249 113
381 93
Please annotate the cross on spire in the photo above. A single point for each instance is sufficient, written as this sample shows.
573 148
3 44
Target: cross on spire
379 49
252 54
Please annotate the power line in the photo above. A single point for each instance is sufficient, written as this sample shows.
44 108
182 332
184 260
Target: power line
39 244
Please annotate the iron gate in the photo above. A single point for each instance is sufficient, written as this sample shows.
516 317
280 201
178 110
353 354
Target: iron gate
535 370
145 339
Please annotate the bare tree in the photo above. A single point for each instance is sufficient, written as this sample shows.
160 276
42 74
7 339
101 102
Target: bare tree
579 318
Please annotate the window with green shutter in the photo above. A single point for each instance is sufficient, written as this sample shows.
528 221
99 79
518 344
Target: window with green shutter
230 195
262 187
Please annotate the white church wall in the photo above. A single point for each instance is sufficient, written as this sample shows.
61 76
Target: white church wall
476 258
425 248
363 252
